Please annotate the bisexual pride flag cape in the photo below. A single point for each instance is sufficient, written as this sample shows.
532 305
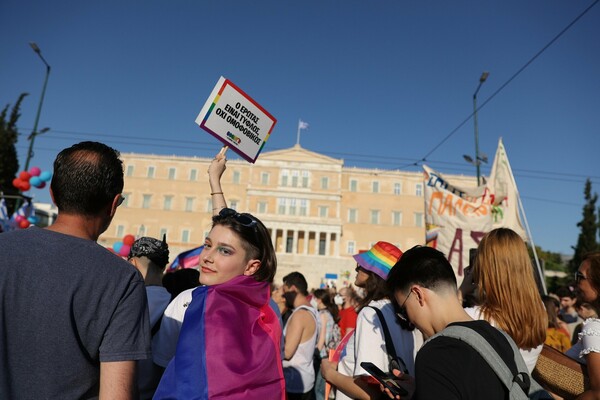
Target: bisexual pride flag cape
229 346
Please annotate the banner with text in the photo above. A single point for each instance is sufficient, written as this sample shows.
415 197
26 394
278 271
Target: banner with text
236 119
457 218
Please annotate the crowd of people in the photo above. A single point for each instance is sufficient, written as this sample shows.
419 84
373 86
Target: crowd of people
80 323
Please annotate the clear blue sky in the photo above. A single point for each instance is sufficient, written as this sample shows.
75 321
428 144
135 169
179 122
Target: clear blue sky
381 83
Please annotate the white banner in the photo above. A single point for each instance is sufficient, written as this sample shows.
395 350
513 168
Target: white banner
457 218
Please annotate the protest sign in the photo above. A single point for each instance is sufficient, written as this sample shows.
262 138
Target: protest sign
236 119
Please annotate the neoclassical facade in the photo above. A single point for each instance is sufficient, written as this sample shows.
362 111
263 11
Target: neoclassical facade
318 211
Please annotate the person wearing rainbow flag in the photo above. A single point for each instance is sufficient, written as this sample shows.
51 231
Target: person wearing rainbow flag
230 340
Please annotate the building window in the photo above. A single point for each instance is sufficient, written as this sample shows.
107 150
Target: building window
126 197
419 220
419 189
236 177
325 182
289 244
146 201
303 207
295 175
351 248
305 176
120 231
130 170
396 218
142 230
193 174
375 187
185 236
292 206
353 185
264 178
172 172
375 217
189 204
150 172
168 202
163 232
281 207
284 177
209 206
323 211
352 212
262 207
233 204
397 189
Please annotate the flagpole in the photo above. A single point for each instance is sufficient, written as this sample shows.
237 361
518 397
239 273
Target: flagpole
298 135
522 209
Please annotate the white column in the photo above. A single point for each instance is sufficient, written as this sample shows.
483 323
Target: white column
274 238
306 237
327 244
317 240
284 239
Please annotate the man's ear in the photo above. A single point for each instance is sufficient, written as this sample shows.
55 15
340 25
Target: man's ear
251 267
115 205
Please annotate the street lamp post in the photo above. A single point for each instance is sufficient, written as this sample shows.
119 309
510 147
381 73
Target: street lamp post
482 79
35 132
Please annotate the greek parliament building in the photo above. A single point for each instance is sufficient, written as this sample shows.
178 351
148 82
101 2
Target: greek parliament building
318 211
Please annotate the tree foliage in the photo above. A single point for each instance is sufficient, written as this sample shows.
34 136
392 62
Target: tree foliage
589 225
9 135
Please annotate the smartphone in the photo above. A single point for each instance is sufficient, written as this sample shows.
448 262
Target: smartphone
388 380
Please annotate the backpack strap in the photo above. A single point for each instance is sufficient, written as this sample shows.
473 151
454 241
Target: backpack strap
389 344
491 356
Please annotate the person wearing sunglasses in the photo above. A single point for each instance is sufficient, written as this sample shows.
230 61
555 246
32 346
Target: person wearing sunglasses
587 349
424 285
229 343
368 342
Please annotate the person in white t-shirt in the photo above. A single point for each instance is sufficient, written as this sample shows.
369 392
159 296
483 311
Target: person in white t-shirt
508 295
368 341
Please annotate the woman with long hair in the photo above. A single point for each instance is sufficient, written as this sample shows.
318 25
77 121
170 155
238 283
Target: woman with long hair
329 334
508 295
557 336
587 349
229 344
368 341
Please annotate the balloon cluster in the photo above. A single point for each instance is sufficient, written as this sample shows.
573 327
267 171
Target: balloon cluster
34 177
23 222
122 248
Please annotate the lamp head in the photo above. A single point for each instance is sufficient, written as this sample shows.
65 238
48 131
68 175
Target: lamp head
484 76
35 47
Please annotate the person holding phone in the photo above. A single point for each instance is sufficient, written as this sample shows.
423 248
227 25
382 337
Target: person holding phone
229 343
368 342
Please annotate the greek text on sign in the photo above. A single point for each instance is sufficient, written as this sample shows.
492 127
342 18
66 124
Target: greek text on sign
236 119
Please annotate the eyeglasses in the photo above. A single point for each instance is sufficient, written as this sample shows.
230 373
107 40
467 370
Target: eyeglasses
402 311
243 219
579 277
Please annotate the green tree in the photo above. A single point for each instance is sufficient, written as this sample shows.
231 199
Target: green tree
588 238
9 162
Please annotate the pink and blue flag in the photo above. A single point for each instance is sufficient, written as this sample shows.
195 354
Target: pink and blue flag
229 346
187 259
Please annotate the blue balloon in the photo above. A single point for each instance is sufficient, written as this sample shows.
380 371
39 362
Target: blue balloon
33 219
36 181
46 176
117 247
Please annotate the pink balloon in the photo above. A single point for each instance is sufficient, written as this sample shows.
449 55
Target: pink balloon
124 250
19 218
35 171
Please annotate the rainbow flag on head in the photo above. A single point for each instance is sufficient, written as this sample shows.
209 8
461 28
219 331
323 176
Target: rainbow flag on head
187 259
229 346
